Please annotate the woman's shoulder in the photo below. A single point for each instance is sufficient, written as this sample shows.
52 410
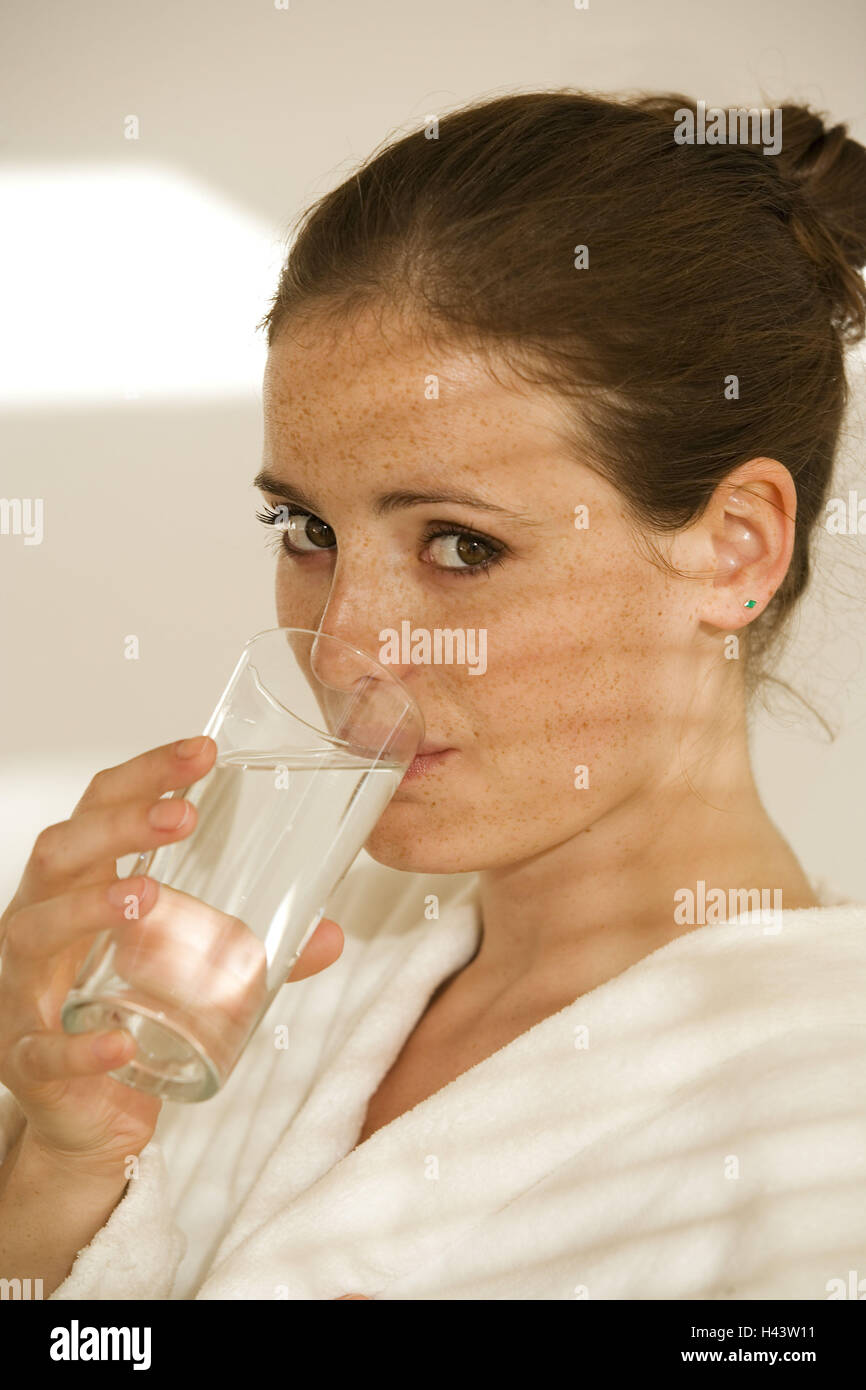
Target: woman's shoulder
798 973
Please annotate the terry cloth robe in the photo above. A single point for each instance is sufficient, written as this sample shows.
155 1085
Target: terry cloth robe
694 1128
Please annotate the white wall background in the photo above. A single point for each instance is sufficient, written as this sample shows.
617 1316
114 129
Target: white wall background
132 275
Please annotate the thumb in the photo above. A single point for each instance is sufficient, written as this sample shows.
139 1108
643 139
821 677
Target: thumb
323 948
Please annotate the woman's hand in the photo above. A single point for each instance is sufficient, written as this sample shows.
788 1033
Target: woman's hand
76 1114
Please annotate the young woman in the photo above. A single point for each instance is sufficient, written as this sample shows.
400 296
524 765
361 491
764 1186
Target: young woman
550 375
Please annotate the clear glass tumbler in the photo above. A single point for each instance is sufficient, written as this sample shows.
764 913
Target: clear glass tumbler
313 738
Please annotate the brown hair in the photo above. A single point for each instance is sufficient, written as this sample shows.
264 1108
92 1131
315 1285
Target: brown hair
706 261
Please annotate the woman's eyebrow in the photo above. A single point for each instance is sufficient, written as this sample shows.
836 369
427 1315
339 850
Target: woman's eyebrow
388 501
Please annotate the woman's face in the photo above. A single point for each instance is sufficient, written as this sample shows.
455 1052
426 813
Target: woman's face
590 648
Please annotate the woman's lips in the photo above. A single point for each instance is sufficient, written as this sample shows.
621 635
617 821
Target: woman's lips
423 763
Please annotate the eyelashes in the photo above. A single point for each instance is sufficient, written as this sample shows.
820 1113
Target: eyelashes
281 519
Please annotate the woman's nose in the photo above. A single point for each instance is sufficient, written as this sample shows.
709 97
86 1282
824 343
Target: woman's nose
361 610
367 705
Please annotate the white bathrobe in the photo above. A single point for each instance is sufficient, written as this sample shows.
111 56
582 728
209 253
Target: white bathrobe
693 1129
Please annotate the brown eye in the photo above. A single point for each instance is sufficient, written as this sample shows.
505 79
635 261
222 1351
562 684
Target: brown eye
460 550
316 531
302 531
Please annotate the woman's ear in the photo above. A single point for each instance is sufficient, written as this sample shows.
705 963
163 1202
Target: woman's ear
749 533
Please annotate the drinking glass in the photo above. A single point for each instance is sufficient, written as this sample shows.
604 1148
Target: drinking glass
313 738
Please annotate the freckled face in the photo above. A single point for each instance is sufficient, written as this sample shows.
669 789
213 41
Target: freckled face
584 661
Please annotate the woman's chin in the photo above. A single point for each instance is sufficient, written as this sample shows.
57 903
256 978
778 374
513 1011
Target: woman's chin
414 854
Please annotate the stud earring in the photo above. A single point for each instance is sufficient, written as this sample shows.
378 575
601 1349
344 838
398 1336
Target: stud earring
750 603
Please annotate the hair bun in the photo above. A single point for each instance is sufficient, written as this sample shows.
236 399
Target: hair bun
824 172
831 169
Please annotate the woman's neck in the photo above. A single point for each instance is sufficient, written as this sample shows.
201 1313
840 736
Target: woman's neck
577 914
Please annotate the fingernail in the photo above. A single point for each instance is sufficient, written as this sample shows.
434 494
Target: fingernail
189 747
168 815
